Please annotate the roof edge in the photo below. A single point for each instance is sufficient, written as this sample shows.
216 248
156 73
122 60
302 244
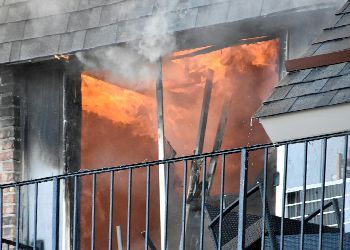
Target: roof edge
318 60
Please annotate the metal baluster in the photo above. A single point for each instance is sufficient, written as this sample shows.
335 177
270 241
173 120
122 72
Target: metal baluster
111 201
285 172
243 199
344 192
75 203
18 210
323 179
183 236
266 154
56 214
35 217
147 206
302 229
129 209
201 246
166 204
1 216
222 194
93 198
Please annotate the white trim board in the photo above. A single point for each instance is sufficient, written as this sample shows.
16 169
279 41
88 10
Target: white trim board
307 123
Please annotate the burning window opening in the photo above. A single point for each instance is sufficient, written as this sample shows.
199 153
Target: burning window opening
119 126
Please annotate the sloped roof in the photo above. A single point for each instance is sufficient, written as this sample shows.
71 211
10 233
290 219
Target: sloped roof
32 28
316 86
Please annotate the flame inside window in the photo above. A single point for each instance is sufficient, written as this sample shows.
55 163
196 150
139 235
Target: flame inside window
119 125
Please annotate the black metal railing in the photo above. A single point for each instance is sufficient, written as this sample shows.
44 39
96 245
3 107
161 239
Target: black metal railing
215 218
7 244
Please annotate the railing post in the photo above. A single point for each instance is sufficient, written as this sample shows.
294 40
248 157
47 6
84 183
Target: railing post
1 215
266 222
111 203
129 209
204 174
346 145
284 188
93 203
75 212
222 198
148 176
55 214
323 180
166 205
183 220
242 199
303 197
35 219
18 211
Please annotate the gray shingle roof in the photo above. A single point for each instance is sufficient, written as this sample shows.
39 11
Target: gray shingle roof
307 89
320 86
33 28
336 36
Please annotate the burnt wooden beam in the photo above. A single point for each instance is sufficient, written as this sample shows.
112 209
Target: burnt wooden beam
204 113
169 151
318 60
196 165
218 140
223 45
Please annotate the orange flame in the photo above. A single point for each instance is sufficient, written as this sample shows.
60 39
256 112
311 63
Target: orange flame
118 105
113 115
235 69
247 71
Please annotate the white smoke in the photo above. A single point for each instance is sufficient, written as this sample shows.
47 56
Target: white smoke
156 41
123 64
134 62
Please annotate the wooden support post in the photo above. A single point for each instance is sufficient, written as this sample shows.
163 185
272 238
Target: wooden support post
161 151
204 113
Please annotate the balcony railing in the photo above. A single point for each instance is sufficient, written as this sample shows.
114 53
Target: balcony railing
206 221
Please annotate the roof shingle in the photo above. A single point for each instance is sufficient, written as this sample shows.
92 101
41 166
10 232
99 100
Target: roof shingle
318 86
36 21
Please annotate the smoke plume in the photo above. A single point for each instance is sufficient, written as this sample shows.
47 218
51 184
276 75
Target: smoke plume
134 61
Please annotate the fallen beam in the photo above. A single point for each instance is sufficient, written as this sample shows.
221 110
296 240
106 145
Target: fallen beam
196 165
218 141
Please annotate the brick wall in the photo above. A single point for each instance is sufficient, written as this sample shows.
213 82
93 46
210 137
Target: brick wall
9 149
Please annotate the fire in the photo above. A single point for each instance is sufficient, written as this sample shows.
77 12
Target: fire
119 126
119 105
184 80
247 71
